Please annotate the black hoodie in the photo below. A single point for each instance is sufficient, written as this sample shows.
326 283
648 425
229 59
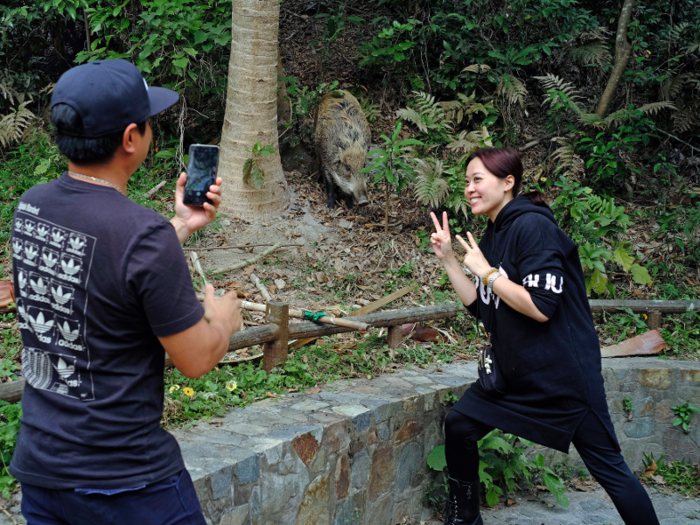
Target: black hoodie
552 369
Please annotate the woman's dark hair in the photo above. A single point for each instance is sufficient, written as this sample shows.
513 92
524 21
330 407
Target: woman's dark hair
81 150
503 162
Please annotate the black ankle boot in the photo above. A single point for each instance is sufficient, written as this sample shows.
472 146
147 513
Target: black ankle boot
463 503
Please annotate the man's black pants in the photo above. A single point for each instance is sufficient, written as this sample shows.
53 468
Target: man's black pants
592 441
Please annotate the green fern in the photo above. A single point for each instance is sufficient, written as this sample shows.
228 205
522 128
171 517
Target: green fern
469 141
512 89
370 109
595 52
558 90
684 119
426 114
671 87
431 188
12 125
565 154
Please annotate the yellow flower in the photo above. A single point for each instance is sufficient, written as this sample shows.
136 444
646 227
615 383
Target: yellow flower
188 391
645 316
174 387
231 386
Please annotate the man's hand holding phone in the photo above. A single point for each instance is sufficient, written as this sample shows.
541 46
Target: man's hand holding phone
189 219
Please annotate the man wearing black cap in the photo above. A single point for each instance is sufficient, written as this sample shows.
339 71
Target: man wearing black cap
102 289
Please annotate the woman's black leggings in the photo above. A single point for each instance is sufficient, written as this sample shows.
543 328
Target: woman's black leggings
593 443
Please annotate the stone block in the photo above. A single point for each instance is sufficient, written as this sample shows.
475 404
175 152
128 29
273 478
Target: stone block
314 507
643 407
309 405
410 460
306 446
359 414
690 376
679 445
664 412
383 431
342 477
639 427
221 484
380 513
352 510
432 438
410 429
408 509
385 411
283 491
381 471
336 437
235 516
360 470
656 378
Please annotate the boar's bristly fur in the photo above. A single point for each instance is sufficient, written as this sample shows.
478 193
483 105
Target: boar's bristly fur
342 139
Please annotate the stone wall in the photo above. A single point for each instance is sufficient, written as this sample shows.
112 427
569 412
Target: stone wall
355 454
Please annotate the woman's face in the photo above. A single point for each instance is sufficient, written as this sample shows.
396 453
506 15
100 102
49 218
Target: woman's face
486 193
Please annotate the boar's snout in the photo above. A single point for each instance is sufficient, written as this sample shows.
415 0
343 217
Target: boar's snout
362 200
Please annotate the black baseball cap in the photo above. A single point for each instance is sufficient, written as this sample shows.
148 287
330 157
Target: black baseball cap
109 95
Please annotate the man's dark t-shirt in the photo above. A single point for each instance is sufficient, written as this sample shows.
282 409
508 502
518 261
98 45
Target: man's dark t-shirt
98 279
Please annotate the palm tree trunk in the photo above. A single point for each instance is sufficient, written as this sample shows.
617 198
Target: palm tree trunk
251 112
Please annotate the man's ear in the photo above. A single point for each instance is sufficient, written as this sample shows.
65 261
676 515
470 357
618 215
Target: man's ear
130 139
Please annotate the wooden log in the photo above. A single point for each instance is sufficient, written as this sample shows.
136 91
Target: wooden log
246 263
276 352
261 286
654 320
611 305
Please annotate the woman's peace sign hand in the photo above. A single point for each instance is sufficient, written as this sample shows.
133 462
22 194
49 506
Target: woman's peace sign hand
441 240
474 260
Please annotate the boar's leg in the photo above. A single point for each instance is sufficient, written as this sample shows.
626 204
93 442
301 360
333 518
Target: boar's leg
330 191
349 201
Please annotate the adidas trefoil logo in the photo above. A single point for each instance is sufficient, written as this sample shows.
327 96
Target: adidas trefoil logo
31 251
40 324
39 286
57 236
49 259
76 243
22 278
63 369
68 334
17 246
42 230
60 296
70 267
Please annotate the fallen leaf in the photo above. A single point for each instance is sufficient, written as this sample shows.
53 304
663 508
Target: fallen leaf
270 394
272 288
510 502
550 505
650 470
249 270
658 480
313 391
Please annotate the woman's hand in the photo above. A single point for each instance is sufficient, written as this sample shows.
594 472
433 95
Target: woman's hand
474 260
441 240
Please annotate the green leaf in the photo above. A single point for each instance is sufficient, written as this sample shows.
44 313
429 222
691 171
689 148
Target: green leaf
640 274
436 459
190 51
42 167
492 495
677 422
598 281
200 36
621 257
182 62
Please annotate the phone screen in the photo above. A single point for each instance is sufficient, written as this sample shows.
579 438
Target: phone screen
202 166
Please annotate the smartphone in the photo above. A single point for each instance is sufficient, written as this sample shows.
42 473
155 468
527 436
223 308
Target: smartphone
202 167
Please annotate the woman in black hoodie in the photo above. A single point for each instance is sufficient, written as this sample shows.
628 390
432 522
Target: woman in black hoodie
530 295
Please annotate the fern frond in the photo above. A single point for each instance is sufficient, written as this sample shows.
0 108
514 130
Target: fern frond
453 109
476 68
672 86
676 32
550 81
512 89
370 109
426 114
599 33
431 188
466 142
654 107
564 154
414 117
12 125
683 120
595 52
591 119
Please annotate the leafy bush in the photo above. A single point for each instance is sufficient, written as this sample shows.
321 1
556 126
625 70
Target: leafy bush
10 415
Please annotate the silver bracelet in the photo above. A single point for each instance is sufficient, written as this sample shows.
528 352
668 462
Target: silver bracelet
492 279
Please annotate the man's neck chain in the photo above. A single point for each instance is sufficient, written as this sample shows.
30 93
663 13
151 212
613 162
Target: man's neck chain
98 180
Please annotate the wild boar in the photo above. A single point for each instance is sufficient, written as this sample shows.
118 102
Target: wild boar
342 139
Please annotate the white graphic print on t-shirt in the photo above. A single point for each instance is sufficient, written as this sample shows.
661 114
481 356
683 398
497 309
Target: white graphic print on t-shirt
53 268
